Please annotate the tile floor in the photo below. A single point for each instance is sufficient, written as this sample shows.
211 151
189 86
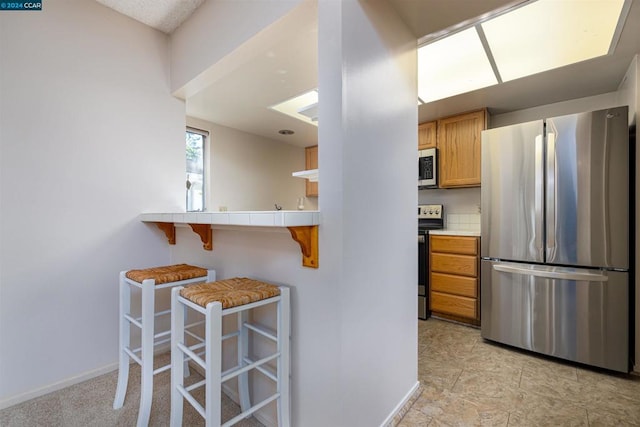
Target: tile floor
468 381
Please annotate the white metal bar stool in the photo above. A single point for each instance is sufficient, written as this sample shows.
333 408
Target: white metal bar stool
216 300
149 281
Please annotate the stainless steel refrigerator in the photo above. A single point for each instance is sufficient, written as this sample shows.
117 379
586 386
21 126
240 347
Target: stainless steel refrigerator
556 238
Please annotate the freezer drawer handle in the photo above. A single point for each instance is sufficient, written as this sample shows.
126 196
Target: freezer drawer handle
563 275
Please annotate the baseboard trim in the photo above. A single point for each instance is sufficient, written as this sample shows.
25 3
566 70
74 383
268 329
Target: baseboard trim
402 408
67 382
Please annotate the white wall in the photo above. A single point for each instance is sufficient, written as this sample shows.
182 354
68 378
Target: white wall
367 140
90 137
354 355
249 172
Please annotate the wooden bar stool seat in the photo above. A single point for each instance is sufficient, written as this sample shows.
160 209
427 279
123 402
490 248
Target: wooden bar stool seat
215 300
149 281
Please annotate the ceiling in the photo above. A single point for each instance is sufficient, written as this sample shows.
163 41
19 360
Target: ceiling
587 78
163 15
285 66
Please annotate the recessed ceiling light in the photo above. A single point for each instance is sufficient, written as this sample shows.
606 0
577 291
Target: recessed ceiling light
549 34
302 107
453 65
526 39
286 132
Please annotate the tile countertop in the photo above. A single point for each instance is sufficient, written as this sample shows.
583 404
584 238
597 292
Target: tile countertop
241 218
450 232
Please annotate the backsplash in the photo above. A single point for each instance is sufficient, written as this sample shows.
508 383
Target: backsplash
462 221
461 206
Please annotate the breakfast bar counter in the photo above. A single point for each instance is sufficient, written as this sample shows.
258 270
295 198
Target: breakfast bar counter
303 226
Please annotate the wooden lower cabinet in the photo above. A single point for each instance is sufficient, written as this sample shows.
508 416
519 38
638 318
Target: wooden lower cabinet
454 305
454 283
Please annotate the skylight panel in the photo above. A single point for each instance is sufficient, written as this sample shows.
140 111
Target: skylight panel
302 107
453 65
548 34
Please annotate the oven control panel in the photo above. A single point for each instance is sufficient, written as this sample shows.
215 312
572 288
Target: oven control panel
430 211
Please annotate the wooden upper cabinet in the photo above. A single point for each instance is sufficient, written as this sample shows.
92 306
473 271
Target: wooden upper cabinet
311 162
427 135
459 149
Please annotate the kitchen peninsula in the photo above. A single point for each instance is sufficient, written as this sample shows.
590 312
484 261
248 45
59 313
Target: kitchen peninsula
303 226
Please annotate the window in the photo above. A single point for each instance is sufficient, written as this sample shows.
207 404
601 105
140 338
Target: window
195 169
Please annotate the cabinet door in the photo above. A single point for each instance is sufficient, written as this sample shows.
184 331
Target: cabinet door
311 162
459 149
427 135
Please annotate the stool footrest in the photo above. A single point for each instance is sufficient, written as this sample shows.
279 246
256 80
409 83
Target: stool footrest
264 370
262 331
162 341
235 372
191 400
192 355
133 320
133 356
162 369
196 385
251 410
230 335
162 313
191 325
195 336
197 346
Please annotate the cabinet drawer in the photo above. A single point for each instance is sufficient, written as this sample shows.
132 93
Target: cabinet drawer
455 244
454 304
455 264
458 285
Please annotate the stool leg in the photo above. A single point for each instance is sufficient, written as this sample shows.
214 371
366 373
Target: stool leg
177 357
213 348
243 352
211 276
148 321
123 342
187 370
284 368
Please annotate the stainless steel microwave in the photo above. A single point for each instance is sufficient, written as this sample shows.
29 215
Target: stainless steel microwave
428 168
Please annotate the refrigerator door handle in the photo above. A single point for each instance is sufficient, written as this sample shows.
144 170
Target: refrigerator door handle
551 273
552 191
539 194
